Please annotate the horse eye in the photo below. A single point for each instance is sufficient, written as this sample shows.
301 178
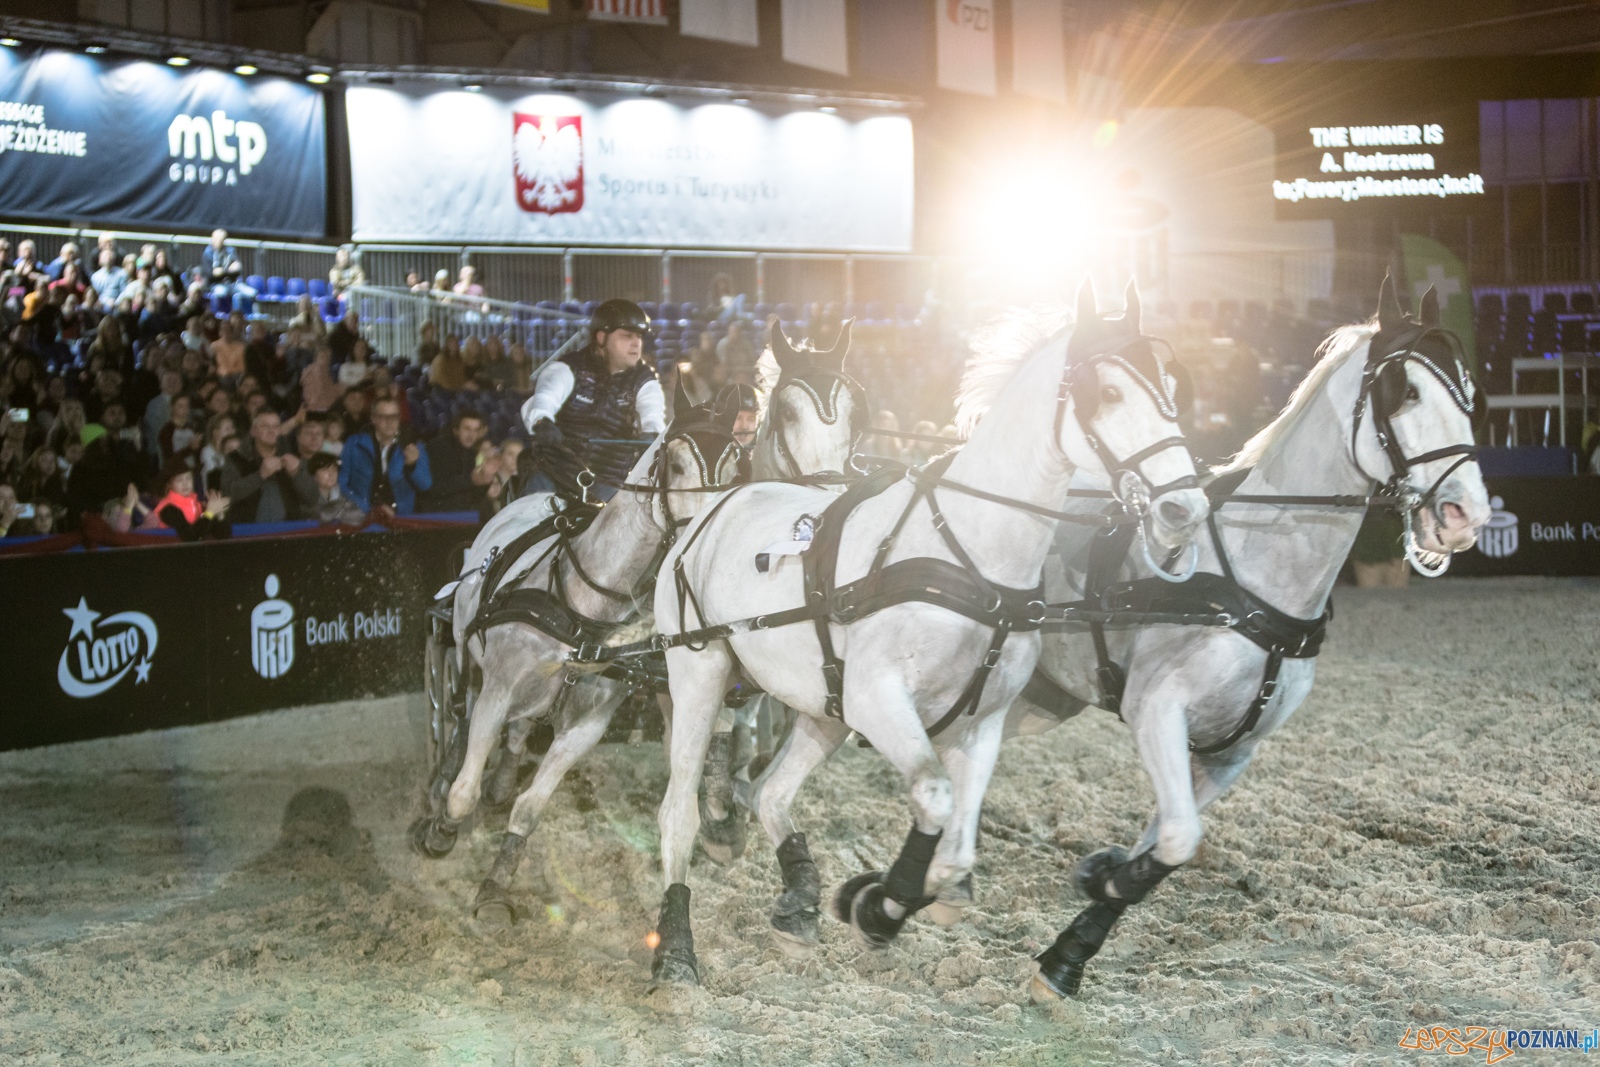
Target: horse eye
1110 394
676 468
1411 392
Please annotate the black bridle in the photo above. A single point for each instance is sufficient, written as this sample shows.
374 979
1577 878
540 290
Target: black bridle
822 386
1384 391
1135 355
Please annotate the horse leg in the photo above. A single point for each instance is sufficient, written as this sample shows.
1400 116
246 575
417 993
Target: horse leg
877 904
795 914
697 681
502 787
970 767
1213 775
1110 877
434 835
589 713
722 825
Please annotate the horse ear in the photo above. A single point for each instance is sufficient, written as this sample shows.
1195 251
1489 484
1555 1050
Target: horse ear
1088 307
1130 317
833 358
680 400
1389 314
782 350
1430 307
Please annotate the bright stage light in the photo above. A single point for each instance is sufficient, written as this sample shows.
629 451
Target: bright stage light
177 61
316 77
10 42
244 68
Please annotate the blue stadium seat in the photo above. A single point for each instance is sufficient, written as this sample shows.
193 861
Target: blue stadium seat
317 288
275 288
297 288
257 282
221 305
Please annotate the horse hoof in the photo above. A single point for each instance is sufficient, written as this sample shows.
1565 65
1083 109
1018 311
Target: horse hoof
493 908
952 903
871 925
797 933
846 895
433 839
723 839
1041 992
793 947
1090 875
674 967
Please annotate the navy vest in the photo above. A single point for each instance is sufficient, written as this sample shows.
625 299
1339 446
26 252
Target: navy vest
602 405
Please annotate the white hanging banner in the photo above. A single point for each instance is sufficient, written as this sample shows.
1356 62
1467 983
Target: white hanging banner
966 45
815 35
720 20
1039 49
607 169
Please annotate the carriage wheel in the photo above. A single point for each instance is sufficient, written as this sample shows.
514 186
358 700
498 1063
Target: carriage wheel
437 690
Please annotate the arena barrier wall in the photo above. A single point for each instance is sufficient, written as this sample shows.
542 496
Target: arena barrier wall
1540 525
114 642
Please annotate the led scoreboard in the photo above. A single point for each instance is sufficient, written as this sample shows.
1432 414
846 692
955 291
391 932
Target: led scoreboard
1347 166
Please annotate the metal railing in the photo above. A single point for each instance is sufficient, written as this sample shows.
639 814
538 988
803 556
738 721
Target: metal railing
286 259
391 320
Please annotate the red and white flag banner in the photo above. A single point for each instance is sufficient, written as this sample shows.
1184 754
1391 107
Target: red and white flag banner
966 45
721 20
815 35
1039 49
629 10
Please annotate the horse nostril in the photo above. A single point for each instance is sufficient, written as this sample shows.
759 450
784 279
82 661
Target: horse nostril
1173 513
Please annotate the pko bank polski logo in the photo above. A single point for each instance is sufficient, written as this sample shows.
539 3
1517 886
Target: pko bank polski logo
237 146
101 650
1498 538
272 634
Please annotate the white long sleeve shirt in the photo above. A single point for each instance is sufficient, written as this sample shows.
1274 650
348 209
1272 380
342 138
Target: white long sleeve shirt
553 386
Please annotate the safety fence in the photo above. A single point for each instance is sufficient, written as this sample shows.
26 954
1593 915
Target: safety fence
391 320
106 648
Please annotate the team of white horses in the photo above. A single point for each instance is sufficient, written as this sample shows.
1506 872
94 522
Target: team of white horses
922 610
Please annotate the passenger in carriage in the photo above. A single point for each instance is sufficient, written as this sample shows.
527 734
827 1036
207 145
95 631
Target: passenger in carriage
604 390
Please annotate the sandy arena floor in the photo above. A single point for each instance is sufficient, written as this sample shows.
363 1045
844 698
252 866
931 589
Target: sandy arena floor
1421 844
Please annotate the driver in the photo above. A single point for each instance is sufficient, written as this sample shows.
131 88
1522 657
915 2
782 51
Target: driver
604 390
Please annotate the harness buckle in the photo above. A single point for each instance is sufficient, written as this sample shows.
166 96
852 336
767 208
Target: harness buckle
991 659
1044 613
588 653
488 561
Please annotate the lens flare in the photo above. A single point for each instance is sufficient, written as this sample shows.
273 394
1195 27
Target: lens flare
652 939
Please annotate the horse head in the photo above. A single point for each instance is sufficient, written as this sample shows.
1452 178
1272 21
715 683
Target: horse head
1422 405
1125 423
816 411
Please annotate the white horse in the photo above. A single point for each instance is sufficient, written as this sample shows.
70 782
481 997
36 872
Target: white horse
1388 404
808 431
1094 397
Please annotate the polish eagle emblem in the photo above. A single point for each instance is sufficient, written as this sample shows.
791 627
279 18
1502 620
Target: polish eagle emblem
547 161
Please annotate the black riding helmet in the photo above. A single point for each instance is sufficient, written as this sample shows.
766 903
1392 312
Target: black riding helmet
619 315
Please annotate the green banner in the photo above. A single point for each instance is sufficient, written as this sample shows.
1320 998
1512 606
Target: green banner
1429 263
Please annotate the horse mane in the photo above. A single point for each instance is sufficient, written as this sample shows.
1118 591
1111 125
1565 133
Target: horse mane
998 350
1334 351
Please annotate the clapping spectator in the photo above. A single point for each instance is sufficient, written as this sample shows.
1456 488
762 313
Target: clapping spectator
415 283
318 390
264 486
468 285
332 507
180 509
378 470
229 352
27 267
355 370
460 477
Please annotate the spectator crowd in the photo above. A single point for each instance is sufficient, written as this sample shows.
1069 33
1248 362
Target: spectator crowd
124 396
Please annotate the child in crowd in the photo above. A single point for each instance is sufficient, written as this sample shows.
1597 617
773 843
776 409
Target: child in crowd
332 508
180 508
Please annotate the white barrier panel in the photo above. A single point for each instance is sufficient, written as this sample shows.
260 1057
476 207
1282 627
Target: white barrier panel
605 169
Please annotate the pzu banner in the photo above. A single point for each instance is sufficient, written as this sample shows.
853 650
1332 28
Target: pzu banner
116 642
134 143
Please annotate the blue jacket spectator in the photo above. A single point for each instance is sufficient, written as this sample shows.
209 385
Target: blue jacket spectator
376 469
109 281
